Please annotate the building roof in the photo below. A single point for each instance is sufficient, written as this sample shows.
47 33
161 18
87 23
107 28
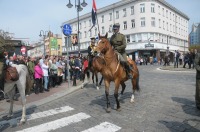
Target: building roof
124 2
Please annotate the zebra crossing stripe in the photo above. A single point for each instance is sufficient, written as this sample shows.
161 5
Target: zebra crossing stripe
104 127
39 115
53 125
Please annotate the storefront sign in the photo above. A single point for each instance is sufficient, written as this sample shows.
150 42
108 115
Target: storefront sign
149 45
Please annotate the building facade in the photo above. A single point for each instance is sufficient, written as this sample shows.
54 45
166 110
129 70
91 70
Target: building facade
152 27
194 35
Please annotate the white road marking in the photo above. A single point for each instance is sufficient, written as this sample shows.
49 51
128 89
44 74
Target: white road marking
53 125
38 115
103 127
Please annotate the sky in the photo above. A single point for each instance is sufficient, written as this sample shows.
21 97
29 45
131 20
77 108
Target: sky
25 18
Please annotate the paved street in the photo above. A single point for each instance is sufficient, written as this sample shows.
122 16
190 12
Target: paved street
164 104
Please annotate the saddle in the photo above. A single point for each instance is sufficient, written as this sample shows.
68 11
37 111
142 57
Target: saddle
11 74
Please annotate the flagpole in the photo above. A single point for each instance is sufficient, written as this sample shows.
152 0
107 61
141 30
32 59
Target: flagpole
97 23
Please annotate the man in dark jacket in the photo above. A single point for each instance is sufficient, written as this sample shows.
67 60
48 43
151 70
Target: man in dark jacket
118 41
90 56
197 66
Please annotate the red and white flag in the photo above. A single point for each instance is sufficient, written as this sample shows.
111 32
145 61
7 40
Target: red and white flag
14 56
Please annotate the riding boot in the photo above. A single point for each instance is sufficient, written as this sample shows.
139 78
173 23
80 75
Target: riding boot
128 70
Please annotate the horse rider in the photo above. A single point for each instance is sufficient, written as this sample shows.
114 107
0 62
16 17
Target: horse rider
90 51
118 41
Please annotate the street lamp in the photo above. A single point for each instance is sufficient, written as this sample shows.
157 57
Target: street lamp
168 37
79 6
44 34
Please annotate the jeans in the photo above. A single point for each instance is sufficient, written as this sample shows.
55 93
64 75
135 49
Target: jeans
46 80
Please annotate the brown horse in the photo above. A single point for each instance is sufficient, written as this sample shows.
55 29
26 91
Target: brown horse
94 70
114 71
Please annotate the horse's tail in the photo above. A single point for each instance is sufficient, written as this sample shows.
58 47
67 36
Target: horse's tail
137 81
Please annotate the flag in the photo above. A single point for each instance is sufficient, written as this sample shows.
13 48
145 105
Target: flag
14 56
94 11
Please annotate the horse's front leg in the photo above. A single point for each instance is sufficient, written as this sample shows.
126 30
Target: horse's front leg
116 94
107 85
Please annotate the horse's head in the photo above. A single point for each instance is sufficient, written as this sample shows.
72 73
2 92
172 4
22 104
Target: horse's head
103 45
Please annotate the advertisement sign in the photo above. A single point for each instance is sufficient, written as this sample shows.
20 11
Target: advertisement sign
53 43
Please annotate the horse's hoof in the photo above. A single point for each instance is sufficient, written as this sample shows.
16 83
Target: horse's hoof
97 88
132 100
118 109
108 110
22 122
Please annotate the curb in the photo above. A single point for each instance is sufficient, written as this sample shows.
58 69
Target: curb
180 70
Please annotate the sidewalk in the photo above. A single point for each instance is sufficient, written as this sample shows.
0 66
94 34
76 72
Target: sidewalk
34 100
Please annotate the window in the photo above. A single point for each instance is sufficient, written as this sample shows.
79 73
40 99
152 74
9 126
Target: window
142 8
170 15
139 37
132 10
95 31
102 19
163 24
167 26
142 21
90 23
110 16
125 25
152 8
90 33
85 24
167 13
153 24
80 25
124 12
80 35
133 23
75 27
117 14
159 10
103 30
110 28
163 11
85 34
170 27
159 23
133 38
128 38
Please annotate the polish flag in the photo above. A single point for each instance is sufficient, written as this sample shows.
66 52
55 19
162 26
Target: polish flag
14 56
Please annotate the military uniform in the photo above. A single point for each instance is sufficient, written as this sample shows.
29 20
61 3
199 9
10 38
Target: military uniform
197 66
118 41
90 51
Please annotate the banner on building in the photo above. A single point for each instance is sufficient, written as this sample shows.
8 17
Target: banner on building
53 43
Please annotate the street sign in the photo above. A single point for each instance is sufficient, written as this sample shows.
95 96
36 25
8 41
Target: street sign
67 30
